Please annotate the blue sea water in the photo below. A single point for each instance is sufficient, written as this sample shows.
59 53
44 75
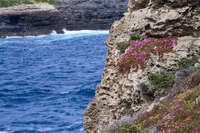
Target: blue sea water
47 81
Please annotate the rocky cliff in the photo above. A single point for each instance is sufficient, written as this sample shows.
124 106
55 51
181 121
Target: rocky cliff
73 15
120 96
30 20
91 14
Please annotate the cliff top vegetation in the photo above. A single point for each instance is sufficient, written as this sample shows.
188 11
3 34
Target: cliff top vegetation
8 3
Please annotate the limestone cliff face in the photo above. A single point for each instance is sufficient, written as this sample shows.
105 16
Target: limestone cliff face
118 95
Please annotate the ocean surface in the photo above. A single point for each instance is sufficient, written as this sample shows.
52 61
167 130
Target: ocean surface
46 82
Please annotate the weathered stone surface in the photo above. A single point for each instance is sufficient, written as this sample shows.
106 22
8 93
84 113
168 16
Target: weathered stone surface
156 19
164 20
29 20
137 4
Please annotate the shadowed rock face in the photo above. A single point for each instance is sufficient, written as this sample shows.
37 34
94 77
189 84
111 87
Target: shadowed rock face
29 20
151 18
91 14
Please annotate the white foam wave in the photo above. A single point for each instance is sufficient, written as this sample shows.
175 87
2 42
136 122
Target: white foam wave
53 33
3 132
81 129
70 34
85 32
7 37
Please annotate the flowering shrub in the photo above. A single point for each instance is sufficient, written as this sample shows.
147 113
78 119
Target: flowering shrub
140 52
123 46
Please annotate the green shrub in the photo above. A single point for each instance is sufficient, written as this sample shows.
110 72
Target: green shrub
125 128
188 104
58 3
184 63
135 38
27 2
7 3
161 80
4 3
193 96
49 1
122 47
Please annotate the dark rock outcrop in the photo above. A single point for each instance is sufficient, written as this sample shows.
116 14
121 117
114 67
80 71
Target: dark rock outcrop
91 14
29 20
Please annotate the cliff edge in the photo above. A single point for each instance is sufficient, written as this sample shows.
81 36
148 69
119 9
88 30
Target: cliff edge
121 96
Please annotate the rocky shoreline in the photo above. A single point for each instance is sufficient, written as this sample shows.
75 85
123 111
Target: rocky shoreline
37 19
92 15
29 20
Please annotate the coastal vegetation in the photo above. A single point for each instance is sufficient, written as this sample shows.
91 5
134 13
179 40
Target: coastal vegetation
140 52
122 47
178 113
184 63
134 38
8 3
158 84
125 128
161 80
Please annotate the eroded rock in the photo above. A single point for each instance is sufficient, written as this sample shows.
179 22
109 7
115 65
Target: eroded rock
158 18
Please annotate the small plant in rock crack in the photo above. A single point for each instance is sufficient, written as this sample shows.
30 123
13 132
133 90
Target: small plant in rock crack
134 38
140 52
184 63
122 47
161 80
